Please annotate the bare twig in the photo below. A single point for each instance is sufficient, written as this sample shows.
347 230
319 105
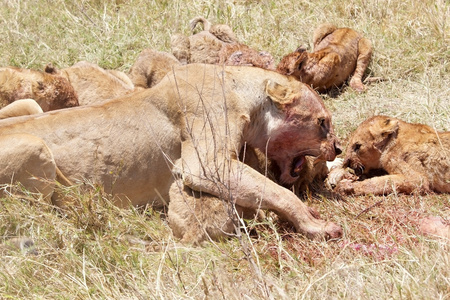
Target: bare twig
368 208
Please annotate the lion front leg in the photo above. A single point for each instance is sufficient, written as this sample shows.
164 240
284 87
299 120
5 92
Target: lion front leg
364 55
27 160
383 185
231 180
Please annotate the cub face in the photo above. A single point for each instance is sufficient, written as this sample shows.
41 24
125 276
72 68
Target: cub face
368 143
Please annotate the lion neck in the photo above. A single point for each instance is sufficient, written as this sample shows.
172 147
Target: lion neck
264 123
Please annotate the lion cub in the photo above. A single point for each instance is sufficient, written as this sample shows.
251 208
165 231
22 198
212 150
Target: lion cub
415 157
338 54
217 44
50 91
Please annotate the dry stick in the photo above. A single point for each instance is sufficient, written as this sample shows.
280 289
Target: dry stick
374 79
216 178
87 17
190 132
247 247
368 208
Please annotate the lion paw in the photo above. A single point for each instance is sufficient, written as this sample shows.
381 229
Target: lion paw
345 186
357 85
336 175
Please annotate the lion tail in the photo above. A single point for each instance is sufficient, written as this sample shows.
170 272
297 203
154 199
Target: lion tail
194 21
62 179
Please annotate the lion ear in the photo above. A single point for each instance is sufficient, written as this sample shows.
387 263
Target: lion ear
50 69
388 126
279 94
383 131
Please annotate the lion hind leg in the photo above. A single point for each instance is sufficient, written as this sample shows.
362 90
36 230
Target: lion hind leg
321 32
27 160
364 56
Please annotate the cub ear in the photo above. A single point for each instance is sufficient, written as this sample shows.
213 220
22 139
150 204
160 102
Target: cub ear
279 94
388 126
383 131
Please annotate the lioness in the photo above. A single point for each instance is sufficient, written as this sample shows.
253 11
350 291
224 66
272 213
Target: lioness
50 91
92 83
415 157
192 125
338 54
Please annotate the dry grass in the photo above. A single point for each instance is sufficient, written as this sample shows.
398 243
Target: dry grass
100 251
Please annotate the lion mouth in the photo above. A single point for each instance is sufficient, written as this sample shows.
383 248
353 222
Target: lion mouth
297 166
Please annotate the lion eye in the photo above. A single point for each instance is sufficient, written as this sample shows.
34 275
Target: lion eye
299 64
357 147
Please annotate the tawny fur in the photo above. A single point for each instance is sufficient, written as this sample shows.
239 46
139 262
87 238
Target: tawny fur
290 62
191 127
217 44
204 46
50 91
21 107
415 156
29 161
195 217
150 67
94 84
338 54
